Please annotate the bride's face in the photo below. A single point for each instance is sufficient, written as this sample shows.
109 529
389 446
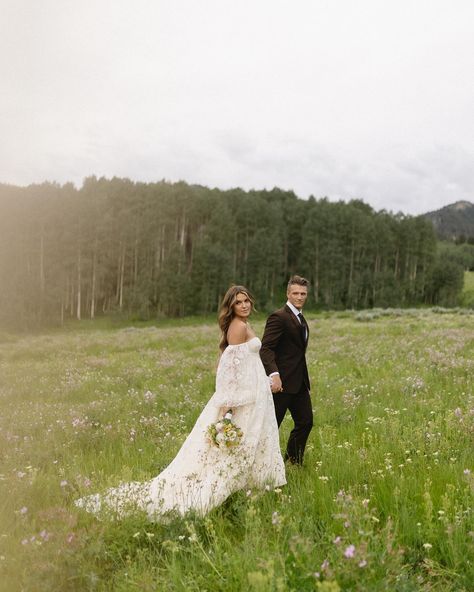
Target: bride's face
242 306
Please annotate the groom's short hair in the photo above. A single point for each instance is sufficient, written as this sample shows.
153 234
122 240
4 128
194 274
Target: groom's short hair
299 280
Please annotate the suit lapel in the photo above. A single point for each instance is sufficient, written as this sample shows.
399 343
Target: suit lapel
296 324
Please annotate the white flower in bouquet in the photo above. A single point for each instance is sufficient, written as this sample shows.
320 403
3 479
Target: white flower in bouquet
224 433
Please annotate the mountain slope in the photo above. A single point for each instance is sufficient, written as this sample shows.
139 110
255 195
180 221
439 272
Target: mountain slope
453 221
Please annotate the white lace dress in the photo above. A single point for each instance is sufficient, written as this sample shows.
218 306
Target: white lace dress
202 476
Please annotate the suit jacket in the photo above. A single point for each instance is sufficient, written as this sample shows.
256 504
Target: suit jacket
283 350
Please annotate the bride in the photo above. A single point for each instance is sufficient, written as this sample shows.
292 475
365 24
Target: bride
203 475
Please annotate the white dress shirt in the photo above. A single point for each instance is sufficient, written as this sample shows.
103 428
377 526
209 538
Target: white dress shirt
294 310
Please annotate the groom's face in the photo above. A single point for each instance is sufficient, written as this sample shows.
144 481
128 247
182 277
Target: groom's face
297 295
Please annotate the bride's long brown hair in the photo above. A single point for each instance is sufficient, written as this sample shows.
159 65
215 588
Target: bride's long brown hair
226 311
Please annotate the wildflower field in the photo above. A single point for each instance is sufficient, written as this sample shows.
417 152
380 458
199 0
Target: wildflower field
384 501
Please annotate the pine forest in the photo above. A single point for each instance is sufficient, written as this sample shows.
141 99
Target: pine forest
149 250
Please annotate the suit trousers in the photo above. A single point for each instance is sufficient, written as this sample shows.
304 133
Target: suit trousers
301 410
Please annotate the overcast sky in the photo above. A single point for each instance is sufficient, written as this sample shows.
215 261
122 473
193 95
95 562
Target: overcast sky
369 99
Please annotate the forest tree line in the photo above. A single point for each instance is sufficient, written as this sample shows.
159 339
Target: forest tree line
148 250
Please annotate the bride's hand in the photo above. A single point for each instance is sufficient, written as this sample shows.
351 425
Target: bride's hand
276 384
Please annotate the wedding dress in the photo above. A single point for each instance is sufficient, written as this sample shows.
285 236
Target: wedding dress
202 476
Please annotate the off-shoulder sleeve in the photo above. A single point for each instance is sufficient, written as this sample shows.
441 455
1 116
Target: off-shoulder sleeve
235 384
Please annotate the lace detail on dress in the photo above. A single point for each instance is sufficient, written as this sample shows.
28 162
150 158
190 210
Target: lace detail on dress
235 380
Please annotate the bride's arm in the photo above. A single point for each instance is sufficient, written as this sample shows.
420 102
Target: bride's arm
234 385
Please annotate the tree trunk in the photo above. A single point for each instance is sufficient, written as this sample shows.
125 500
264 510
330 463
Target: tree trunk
93 282
78 293
122 272
135 263
68 293
351 274
42 281
316 272
182 238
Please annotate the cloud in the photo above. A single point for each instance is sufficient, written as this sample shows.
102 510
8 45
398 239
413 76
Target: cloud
347 100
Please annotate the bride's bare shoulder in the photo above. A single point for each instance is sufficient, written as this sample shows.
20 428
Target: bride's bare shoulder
237 332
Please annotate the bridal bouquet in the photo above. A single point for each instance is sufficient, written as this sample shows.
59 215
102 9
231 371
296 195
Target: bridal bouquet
224 433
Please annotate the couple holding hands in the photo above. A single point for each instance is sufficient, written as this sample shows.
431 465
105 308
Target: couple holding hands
257 382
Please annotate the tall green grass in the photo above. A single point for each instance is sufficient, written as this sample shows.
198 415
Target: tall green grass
384 501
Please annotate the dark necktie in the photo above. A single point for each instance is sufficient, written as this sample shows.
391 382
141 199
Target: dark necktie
304 325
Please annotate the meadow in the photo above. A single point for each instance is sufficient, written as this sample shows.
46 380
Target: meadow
383 502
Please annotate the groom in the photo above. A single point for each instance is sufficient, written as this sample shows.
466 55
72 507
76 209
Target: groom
283 355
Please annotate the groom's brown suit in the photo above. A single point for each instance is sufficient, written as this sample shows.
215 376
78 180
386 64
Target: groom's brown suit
283 350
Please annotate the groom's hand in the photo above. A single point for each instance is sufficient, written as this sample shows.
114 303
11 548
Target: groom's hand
276 385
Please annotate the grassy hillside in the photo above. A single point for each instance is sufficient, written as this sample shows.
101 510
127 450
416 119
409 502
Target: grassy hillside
384 501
